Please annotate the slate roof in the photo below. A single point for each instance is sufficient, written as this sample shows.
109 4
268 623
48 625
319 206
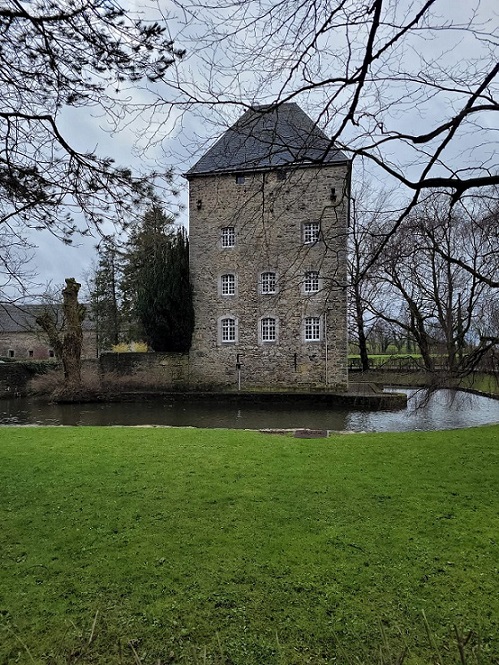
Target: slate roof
21 318
267 137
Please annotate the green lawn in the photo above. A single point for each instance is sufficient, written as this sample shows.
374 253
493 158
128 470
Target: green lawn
191 546
485 383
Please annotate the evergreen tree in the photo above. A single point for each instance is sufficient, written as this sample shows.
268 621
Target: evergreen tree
105 298
156 282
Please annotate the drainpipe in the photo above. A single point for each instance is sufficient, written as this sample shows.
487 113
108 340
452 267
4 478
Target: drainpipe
327 348
238 367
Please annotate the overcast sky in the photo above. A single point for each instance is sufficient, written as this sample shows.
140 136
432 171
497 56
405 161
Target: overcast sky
183 137
52 260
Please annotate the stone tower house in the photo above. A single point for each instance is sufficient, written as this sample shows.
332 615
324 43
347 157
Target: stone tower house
268 211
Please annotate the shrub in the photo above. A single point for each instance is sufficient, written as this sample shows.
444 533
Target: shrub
51 384
130 347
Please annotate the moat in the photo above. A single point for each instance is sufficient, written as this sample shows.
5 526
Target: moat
444 409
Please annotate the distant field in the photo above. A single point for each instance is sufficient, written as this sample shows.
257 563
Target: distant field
486 383
379 359
214 546
480 381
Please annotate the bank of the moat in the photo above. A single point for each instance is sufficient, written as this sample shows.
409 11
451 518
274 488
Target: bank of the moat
362 396
145 376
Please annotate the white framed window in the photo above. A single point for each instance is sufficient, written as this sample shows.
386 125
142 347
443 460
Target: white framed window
228 285
228 236
311 232
311 281
268 282
228 330
312 329
268 329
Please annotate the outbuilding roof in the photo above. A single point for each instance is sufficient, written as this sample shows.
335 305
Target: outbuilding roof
22 318
268 137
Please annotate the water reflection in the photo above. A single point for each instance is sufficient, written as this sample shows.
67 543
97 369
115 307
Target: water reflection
443 409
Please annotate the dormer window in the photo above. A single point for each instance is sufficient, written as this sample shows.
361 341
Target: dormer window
228 236
311 232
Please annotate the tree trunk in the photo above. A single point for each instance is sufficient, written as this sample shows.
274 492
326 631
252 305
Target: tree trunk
67 347
361 333
421 338
74 313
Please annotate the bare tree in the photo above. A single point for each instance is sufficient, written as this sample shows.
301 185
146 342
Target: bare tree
408 86
402 303
479 255
370 212
15 255
57 56
440 303
67 344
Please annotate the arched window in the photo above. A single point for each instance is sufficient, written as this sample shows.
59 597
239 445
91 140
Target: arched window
228 284
268 329
268 282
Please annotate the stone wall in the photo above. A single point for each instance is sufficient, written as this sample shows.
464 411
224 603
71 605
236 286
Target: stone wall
13 379
268 211
30 345
147 371
15 376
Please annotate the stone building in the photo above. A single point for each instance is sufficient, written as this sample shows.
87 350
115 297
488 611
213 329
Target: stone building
22 339
268 217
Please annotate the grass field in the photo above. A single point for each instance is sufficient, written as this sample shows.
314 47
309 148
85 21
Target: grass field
212 546
402 368
480 382
485 383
